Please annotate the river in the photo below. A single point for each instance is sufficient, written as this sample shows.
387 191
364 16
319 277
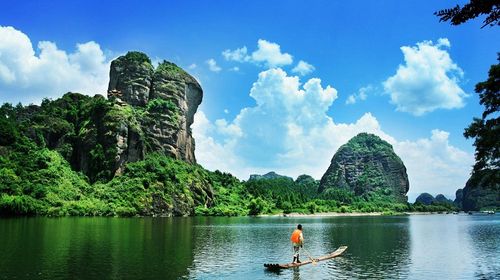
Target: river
380 247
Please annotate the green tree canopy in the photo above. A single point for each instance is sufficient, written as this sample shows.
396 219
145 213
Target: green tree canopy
458 15
485 130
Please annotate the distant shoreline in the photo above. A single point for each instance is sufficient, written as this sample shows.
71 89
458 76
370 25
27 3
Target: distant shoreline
353 214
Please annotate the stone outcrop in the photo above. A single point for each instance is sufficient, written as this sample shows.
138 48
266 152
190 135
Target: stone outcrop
459 196
482 191
367 164
163 100
132 75
169 131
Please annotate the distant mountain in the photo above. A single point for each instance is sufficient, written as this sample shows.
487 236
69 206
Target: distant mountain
306 179
440 198
269 175
425 198
367 164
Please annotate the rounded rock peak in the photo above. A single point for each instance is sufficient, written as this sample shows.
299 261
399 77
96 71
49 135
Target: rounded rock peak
367 164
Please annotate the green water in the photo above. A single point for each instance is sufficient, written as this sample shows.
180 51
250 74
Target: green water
406 247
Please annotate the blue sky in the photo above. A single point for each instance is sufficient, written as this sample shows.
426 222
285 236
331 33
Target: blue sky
406 77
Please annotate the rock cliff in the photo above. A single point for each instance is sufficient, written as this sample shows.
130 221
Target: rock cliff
482 191
163 100
367 164
132 74
459 196
148 110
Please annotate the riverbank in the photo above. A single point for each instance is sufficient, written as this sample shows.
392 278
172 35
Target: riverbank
325 214
352 214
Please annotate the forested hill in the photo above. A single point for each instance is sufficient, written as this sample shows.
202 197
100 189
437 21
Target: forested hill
367 166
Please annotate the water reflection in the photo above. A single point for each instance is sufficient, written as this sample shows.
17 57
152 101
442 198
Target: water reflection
408 247
95 248
378 248
485 239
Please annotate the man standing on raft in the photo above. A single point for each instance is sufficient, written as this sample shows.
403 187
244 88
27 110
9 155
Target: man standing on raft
297 242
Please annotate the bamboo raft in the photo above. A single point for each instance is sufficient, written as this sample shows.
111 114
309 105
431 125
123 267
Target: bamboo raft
332 255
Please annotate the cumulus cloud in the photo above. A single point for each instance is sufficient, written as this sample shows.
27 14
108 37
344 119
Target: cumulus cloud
270 53
434 165
290 132
28 77
361 95
192 66
239 55
303 68
212 65
427 81
267 53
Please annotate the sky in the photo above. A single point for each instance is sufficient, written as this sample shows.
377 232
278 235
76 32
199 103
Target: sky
285 83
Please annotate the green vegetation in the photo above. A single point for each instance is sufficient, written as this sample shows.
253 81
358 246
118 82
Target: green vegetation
170 69
481 191
58 159
366 165
485 130
162 106
458 15
138 57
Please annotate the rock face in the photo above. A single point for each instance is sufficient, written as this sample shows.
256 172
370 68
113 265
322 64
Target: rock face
269 175
482 191
132 75
163 100
367 164
169 131
459 196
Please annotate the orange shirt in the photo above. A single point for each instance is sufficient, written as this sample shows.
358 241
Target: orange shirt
297 237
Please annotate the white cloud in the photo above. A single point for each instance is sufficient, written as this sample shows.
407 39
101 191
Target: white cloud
270 53
267 53
351 99
428 81
361 95
212 65
239 55
434 165
289 131
235 69
28 77
192 66
303 68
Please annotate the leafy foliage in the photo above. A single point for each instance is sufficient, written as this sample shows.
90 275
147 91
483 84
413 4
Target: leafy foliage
485 130
170 69
138 57
458 15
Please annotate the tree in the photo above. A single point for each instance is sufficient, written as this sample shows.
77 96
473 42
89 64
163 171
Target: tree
486 129
256 206
475 8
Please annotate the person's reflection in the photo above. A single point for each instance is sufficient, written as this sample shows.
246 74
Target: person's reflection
296 273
